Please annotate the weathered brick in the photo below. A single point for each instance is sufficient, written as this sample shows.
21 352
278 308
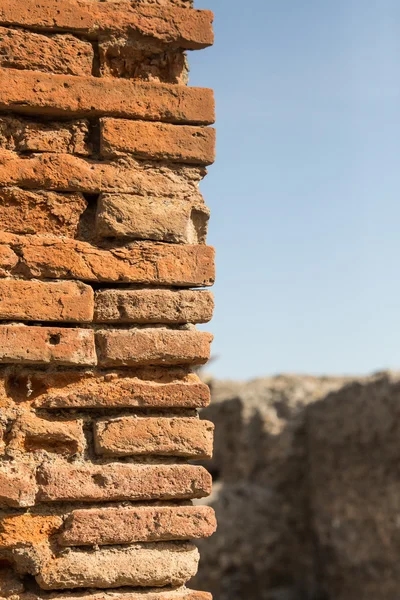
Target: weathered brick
170 25
66 95
111 482
152 346
154 436
149 218
138 565
158 141
45 345
63 54
181 3
164 388
165 593
45 301
153 306
142 524
144 262
31 433
24 212
23 135
17 485
68 173
24 529
123 56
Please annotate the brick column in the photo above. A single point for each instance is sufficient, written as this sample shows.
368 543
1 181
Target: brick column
102 246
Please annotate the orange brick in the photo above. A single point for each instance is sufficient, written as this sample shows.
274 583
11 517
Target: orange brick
158 141
31 433
137 524
17 485
113 482
45 301
157 436
46 345
37 93
145 263
152 346
164 388
153 306
64 54
170 25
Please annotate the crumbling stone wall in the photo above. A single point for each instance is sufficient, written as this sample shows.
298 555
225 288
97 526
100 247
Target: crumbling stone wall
102 246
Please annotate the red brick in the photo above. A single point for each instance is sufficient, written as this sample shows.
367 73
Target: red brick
145 263
154 436
170 25
149 218
24 212
137 524
17 485
164 388
64 54
68 173
46 345
65 95
158 141
113 482
31 434
153 306
152 346
45 301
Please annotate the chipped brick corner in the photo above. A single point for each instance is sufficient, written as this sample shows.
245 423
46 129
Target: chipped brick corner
103 258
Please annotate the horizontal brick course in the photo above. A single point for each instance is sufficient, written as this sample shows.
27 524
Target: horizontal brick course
148 218
67 173
63 54
145 388
153 306
46 345
145 263
111 482
37 93
152 346
45 301
158 141
165 593
142 524
144 565
170 25
157 436
25 212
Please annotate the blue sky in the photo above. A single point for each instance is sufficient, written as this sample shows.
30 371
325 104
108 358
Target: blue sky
305 193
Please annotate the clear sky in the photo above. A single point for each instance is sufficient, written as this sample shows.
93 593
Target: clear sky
305 193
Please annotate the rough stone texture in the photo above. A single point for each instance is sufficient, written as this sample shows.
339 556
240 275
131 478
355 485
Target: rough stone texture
13 587
153 306
17 485
67 173
60 95
145 388
32 434
166 24
44 345
23 135
25 212
24 529
118 481
162 436
63 54
124 56
145 565
158 141
45 301
160 219
146 263
142 524
152 346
